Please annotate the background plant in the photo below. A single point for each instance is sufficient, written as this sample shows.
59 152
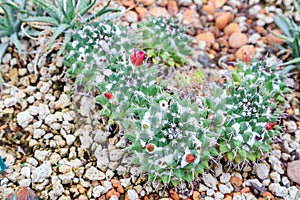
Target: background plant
164 41
64 16
291 36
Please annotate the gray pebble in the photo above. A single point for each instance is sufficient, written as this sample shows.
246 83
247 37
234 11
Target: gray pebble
94 174
11 101
132 195
42 172
225 177
24 118
262 171
278 190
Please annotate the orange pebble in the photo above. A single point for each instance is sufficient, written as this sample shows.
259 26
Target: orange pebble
268 194
245 190
120 189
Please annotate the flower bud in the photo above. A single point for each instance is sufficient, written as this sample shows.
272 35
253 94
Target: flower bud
270 126
138 59
190 158
108 95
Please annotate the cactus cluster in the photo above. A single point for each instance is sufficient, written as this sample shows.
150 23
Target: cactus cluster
171 142
171 136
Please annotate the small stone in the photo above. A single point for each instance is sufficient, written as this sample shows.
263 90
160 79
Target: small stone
278 190
38 133
45 87
276 164
273 39
210 180
41 155
189 16
26 171
275 176
184 2
222 19
218 3
42 172
234 180
11 101
293 169
207 37
67 178
262 171
131 16
225 177
204 60
173 8
98 190
127 3
231 28
157 12
225 189
25 182
57 190
116 154
142 12
24 118
70 139
146 2
94 174
291 126
125 182
209 9
245 50
196 195
237 40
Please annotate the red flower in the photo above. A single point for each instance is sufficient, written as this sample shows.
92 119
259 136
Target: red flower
150 147
137 60
270 126
108 95
190 158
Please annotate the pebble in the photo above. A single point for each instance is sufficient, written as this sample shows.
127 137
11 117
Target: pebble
225 177
225 189
146 2
172 8
158 11
276 164
207 37
210 181
57 190
231 28
246 49
184 2
42 172
125 182
24 118
41 155
94 174
262 171
237 39
131 16
67 178
25 182
116 154
11 101
142 12
293 169
222 19
291 126
204 60
278 190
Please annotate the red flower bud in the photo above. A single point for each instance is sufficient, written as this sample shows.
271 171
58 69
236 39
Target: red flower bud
108 95
270 126
190 158
137 60
150 148
247 58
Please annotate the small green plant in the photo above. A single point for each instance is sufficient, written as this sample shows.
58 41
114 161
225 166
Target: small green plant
65 16
164 41
171 142
251 111
94 50
291 37
10 24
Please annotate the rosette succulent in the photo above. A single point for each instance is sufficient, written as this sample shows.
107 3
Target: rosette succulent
170 142
252 112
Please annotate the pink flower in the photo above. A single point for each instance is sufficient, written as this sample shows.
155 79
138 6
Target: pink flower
137 60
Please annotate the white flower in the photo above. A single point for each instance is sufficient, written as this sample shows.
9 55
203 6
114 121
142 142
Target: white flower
163 105
75 43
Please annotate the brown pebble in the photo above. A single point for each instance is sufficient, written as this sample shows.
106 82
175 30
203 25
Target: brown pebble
268 195
231 28
145 2
218 3
237 39
236 181
245 50
142 12
245 190
120 189
131 16
196 195
209 9
174 195
157 11
189 16
207 37
81 189
173 8
110 193
222 19
293 169
127 3
272 39
115 182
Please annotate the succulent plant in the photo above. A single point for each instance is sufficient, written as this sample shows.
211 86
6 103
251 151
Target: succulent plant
95 48
170 142
164 41
252 114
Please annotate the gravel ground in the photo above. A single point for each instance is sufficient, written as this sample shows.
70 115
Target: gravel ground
55 143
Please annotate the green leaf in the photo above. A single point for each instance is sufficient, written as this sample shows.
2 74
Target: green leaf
188 177
57 32
230 156
104 112
100 99
14 39
50 9
43 19
199 168
102 11
70 11
165 179
179 173
293 61
174 182
3 48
